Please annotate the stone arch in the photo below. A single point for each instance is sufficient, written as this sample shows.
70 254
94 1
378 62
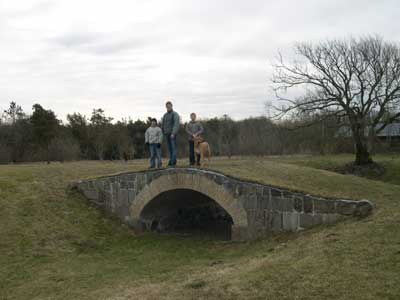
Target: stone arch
198 183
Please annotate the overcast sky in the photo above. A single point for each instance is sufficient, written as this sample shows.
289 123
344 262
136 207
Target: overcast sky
127 57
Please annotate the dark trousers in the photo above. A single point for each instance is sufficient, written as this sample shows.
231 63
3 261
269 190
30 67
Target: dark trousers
192 154
172 149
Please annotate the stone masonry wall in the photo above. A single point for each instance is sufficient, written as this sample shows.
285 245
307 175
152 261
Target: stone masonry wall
266 209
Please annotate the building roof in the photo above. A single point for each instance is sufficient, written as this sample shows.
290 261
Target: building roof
391 130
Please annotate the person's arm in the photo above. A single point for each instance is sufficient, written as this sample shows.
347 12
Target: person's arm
160 136
175 128
187 129
162 124
201 129
146 136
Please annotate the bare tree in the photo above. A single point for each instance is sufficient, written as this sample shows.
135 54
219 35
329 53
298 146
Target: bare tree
227 133
13 113
99 130
357 80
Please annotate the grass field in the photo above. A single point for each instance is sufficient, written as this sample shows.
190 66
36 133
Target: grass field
54 245
331 162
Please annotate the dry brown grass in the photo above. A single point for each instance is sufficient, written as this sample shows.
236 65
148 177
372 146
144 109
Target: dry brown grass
55 246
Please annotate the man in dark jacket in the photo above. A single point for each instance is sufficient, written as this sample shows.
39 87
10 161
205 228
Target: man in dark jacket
170 128
194 129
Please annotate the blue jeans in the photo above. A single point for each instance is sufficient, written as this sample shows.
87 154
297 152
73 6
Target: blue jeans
155 154
172 149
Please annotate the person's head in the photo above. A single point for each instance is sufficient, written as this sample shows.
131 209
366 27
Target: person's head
153 122
193 116
168 105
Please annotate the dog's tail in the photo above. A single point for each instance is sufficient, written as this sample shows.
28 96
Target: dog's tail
209 151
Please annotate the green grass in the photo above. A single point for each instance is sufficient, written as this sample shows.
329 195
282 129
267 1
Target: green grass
391 163
54 245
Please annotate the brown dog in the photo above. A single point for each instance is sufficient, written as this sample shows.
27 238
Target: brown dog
203 148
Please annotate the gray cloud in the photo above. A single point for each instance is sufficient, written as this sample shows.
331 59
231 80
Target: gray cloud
104 44
129 56
77 39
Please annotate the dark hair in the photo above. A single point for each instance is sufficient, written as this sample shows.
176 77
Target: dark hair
154 120
168 102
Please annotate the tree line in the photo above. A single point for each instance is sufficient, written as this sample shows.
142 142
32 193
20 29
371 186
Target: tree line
41 136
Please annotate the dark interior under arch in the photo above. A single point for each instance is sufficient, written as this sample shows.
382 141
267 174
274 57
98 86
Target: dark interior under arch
187 212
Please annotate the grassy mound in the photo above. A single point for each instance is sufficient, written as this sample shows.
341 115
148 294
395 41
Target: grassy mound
55 246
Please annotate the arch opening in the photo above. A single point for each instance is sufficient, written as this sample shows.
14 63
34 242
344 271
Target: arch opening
187 212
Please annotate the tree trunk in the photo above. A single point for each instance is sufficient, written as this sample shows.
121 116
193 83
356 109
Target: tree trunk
14 149
363 156
47 154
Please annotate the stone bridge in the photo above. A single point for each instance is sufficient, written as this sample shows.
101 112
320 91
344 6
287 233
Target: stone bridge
190 200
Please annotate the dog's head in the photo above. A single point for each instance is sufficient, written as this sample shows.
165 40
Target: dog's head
198 140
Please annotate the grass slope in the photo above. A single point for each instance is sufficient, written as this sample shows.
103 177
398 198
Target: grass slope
391 163
55 246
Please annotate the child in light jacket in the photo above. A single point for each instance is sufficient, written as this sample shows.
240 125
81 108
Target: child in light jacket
153 138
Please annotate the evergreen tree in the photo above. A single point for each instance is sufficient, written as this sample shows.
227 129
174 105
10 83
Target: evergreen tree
45 125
